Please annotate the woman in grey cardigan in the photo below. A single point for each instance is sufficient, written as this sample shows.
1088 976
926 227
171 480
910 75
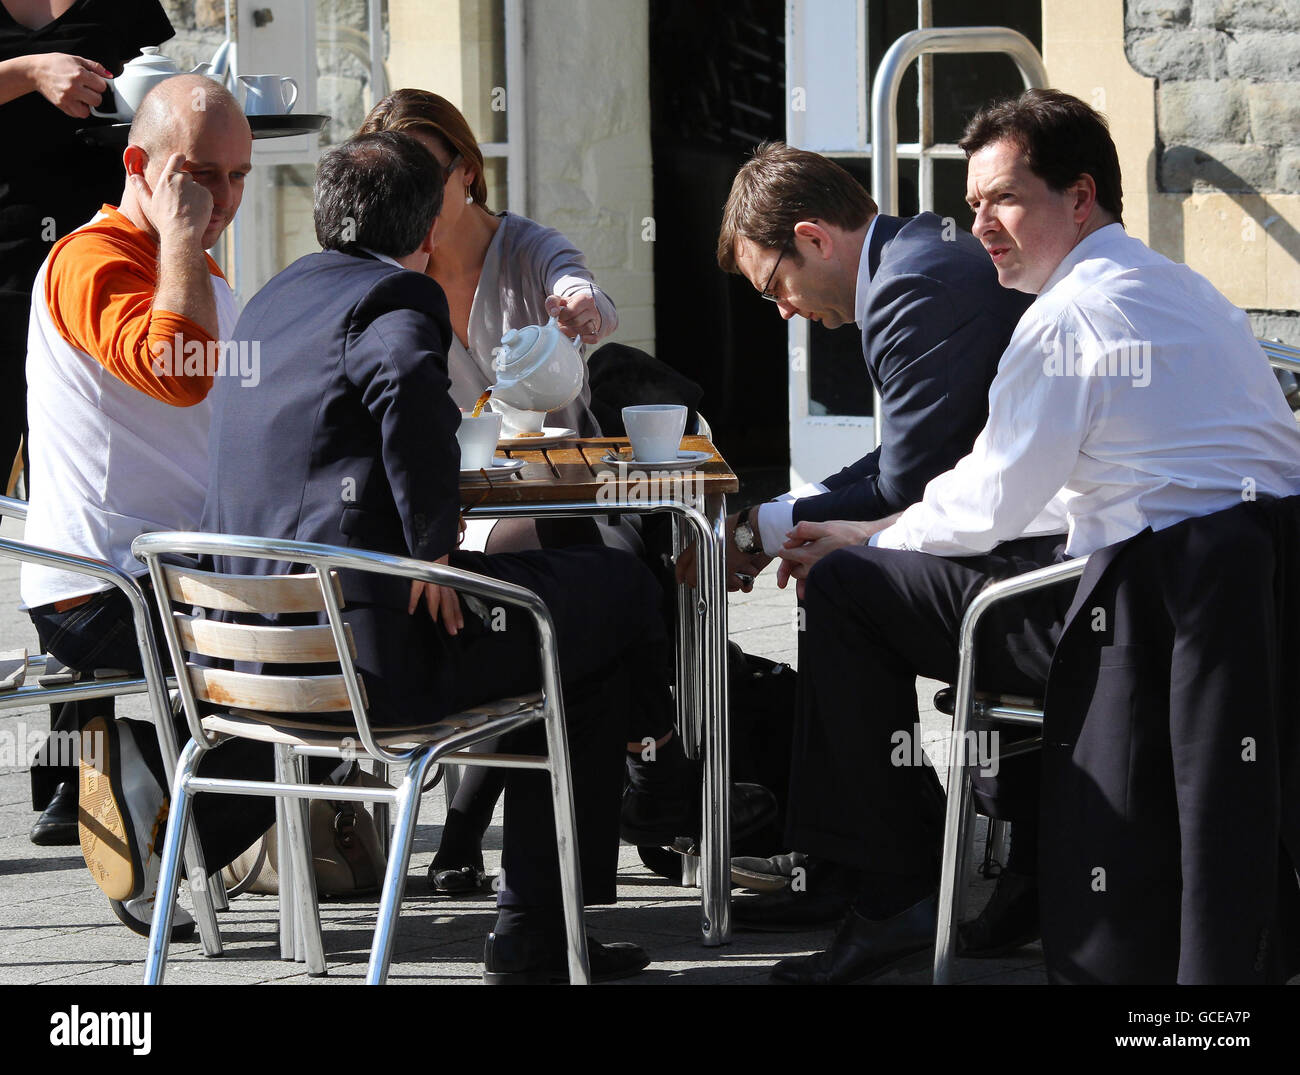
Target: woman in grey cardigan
499 271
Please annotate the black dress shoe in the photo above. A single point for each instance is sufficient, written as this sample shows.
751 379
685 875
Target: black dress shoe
822 899
458 880
657 819
767 874
1009 920
57 825
864 948
532 959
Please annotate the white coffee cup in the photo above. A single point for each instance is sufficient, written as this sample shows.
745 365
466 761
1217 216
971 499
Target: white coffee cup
264 95
478 438
655 430
515 421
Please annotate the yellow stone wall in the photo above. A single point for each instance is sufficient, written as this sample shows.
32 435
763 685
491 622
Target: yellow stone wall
1247 245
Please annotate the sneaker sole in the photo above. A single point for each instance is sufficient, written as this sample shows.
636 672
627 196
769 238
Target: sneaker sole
103 824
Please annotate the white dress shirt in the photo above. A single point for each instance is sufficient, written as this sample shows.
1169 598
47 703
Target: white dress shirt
1132 395
776 518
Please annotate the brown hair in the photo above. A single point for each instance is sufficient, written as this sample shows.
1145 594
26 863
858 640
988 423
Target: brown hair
1061 138
778 187
422 112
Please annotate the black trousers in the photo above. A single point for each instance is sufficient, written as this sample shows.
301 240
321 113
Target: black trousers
875 620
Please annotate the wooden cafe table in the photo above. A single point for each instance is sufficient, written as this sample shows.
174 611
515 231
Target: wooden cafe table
569 479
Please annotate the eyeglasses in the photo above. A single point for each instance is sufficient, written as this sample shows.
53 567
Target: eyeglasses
451 167
766 293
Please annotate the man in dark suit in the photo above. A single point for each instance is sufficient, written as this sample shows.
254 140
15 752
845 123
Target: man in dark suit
934 323
925 296
348 439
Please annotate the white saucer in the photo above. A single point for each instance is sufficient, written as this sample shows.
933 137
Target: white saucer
622 458
501 468
547 436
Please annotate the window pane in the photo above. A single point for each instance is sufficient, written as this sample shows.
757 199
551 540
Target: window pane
494 173
483 58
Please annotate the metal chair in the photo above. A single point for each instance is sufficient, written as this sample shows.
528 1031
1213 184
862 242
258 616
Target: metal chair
968 707
280 709
152 683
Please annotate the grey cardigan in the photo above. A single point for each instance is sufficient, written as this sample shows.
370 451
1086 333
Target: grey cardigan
525 263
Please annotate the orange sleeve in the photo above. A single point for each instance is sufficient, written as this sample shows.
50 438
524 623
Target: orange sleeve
99 289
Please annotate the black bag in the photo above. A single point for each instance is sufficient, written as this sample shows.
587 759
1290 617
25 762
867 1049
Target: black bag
762 702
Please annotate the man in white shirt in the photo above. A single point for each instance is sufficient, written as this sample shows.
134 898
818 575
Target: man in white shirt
1132 395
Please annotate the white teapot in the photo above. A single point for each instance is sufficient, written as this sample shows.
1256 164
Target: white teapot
140 76
538 368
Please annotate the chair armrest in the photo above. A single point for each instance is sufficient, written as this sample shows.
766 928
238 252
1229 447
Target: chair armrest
13 509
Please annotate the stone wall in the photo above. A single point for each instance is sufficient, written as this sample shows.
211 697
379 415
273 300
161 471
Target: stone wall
1227 102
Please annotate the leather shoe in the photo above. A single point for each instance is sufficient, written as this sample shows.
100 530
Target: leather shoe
57 825
659 819
767 874
1009 920
864 948
827 893
457 880
532 959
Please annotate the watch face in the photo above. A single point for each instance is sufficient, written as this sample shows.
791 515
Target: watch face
745 538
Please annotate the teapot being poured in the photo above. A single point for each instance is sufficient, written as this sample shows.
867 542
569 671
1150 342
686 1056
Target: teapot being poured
538 368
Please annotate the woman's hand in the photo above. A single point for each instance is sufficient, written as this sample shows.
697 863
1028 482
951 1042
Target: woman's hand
576 314
71 83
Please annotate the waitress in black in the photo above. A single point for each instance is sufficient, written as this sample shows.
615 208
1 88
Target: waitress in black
55 57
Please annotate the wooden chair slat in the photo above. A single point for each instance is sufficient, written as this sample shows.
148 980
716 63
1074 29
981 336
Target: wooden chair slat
271 694
306 644
265 594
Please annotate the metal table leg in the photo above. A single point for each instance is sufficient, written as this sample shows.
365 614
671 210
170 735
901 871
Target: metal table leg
715 849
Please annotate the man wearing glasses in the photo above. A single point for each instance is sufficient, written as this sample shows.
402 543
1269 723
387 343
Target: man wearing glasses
934 323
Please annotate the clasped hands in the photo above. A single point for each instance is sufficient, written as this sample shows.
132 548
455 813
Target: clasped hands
805 544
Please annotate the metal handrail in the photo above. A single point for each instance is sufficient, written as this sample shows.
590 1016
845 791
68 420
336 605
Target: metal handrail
901 54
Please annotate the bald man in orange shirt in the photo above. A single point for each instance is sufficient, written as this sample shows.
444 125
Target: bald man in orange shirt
127 315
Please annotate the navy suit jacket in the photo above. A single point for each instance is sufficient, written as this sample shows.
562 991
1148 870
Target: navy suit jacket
937 322
348 438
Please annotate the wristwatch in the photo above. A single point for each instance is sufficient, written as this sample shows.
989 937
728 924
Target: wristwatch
745 538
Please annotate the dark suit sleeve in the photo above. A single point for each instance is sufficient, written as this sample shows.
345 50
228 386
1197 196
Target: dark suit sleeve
932 360
864 469
396 355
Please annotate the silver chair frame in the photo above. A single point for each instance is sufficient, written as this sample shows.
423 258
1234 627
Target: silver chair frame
152 683
957 828
290 783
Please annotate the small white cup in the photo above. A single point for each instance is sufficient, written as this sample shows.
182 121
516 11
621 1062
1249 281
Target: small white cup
478 438
655 430
515 421
264 95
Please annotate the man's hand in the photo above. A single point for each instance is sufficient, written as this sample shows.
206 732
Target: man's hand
742 568
576 314
441 601
808 542
178 207
71 83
